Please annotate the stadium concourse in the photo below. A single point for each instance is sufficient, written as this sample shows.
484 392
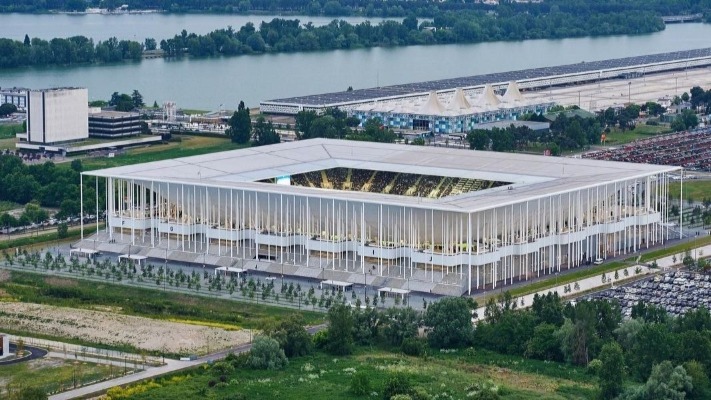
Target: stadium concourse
691 150
413 218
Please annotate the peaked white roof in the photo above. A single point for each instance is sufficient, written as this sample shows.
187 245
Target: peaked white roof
432 106
512 94
487 98
459 101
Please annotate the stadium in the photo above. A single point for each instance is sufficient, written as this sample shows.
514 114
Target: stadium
403 218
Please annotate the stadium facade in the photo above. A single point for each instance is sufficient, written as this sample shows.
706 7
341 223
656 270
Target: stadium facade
415 218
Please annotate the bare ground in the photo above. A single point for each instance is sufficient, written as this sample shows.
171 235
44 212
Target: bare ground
117 329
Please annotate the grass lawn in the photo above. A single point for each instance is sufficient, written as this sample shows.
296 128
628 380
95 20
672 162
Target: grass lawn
77 293
53 374
679 248
8 131
566 278
640 131
188 146
321 376
8 143
695 189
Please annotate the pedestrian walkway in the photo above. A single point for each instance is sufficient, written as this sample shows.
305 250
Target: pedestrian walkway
596 282
581 286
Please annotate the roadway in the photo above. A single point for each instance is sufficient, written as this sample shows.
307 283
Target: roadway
154 372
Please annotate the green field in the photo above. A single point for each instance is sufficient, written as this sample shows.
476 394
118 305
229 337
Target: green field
8 131
320 376
695 189
8 143
641 131
186 146
37 288
53 374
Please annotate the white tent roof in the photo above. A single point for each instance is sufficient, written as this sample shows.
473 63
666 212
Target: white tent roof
432 106
487 98
459 101
512 94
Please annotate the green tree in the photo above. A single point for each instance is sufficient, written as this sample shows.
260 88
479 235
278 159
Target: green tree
450 323
264 133
612 370
665 382
62 230
699 380
7 109
292 336
150 44
266 354
340 330
478 139
137 99
399 324
240 125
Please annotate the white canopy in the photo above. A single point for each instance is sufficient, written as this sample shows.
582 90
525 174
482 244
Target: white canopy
432 106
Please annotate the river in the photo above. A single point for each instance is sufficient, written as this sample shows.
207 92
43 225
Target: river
209 83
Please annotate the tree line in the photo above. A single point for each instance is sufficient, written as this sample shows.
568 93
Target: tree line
73 50
332 124
649 356
46 185
565 133
284 35
370 8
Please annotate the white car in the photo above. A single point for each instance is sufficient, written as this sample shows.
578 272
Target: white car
598 261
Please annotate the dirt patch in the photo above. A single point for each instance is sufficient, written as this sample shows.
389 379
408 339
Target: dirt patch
61 282
4 275
116 329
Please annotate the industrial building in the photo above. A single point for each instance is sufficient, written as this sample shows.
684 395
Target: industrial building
451 112
57 116
529 79
114 124
411 218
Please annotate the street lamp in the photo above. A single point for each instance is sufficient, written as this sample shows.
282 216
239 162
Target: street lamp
629 92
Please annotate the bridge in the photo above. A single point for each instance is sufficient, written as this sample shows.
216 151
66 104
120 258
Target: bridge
676 19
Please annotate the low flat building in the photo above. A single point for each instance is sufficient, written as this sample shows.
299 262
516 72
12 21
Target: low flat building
114 124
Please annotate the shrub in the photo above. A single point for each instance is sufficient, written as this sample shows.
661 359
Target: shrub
211 383
594 367
483 391
320 339
266 354
396 384
412 347
360 384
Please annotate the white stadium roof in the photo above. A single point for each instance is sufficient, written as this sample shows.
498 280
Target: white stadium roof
532 176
